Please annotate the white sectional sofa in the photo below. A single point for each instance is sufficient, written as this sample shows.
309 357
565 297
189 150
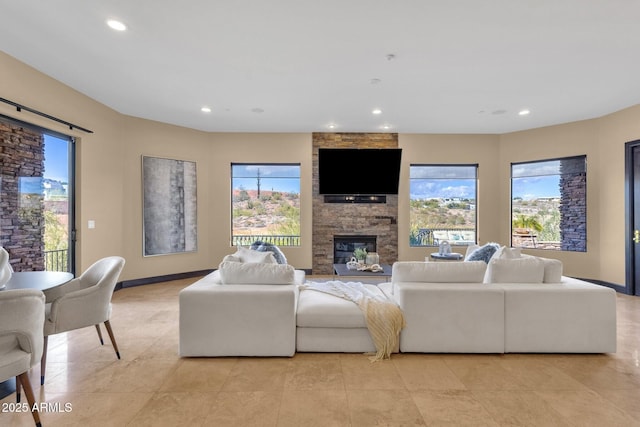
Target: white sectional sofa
522 306
484 313
258 318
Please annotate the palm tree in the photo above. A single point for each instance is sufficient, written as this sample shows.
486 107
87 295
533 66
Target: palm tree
528 222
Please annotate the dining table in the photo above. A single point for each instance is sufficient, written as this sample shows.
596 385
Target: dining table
40 280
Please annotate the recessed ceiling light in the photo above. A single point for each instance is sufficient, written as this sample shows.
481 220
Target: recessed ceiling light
524 112
377 111
116 25
386 127
257 110
205 109
331 126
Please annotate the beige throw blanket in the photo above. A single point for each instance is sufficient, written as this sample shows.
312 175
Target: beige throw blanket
384 318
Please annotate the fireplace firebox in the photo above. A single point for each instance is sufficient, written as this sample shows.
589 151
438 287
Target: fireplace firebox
343 246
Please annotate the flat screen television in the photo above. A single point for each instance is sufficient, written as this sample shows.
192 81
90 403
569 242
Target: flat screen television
354 171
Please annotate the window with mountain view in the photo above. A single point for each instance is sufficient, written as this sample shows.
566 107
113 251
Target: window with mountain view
265 201
549 204
442 204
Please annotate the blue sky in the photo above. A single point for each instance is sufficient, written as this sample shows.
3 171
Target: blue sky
432 188
527 188
283 178
535 187
56 163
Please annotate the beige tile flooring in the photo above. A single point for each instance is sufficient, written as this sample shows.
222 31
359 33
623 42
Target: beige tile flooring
152 386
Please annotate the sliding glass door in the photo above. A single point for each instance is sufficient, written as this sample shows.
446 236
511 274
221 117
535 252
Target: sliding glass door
36 197
58 206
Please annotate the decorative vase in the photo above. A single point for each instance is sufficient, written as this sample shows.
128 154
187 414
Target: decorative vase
372 258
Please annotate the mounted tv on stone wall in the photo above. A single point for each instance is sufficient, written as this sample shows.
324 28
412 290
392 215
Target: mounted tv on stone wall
359 171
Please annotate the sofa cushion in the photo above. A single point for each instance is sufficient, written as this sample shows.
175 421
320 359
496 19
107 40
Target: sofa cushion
438 272
482 253
321 310
552 269
515 270
250 255
256 273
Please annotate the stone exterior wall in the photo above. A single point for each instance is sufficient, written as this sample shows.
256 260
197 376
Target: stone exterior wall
330 219
21 218
573 205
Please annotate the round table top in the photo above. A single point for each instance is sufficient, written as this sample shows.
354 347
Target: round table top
453 256
40 280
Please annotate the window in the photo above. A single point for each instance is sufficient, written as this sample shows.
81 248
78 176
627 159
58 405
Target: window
442 204
549 204
265 202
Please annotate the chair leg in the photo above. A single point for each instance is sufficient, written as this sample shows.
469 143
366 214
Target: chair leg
28 391
99 333
43 361
107 324
18 387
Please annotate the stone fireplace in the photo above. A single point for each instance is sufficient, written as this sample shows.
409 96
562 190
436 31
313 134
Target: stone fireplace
378 220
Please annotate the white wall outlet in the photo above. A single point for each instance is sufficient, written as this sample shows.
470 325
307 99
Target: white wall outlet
91 224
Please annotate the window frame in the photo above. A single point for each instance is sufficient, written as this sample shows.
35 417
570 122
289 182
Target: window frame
236 239
476 168
559 159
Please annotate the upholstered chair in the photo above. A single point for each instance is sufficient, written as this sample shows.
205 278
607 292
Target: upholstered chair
5 268
21 341
81 302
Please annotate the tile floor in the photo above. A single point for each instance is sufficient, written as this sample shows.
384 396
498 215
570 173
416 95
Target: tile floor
152 386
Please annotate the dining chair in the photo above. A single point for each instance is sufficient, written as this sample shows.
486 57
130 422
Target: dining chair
81 302
5 267
21 340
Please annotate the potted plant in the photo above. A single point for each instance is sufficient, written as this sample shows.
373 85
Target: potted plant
360 254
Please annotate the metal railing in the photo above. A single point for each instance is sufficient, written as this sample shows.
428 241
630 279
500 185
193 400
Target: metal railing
57 260
433 236
279 240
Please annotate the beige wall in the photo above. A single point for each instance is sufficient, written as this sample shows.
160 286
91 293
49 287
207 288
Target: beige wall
109 177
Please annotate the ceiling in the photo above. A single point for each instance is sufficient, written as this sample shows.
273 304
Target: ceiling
457 66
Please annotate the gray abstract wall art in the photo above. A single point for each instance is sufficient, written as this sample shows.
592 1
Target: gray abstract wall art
169 206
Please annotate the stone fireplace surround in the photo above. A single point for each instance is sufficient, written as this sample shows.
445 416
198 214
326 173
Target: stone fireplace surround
352 219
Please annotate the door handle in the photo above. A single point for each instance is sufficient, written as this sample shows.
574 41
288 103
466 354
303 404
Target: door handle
636 236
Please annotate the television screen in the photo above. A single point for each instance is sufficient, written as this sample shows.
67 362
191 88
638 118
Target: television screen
353 171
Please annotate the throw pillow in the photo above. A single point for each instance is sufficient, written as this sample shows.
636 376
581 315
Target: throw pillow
238 273
483 253
270 247
515 270
249 255
231 258
510 253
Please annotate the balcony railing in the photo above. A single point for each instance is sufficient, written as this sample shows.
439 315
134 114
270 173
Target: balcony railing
433 236
280 240
57 260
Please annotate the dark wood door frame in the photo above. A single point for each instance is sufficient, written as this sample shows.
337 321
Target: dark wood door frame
630 201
